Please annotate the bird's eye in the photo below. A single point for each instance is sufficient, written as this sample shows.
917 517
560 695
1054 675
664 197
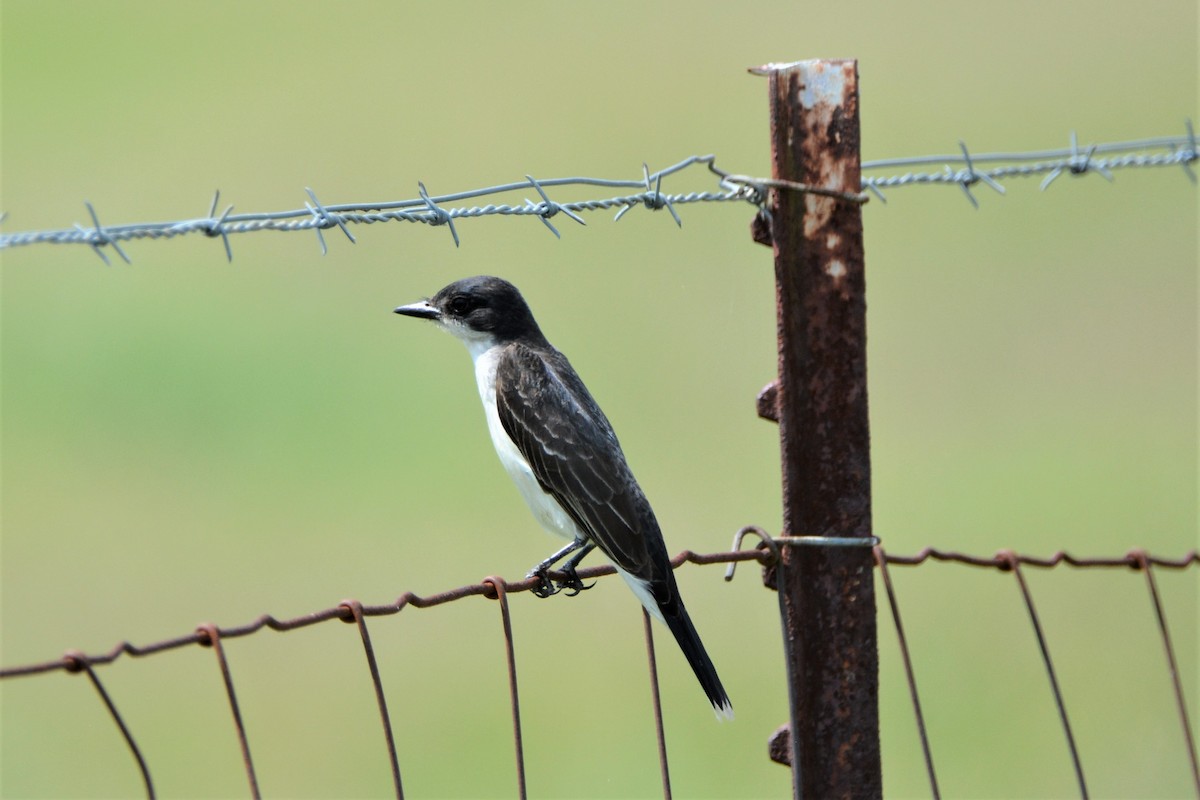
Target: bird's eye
460 306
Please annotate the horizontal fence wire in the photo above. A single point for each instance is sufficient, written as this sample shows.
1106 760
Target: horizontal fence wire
963 169
765 553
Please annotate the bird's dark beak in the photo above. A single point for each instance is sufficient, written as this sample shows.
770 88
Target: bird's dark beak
421 309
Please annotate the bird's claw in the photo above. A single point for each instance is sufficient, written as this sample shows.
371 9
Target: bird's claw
544 587
572 583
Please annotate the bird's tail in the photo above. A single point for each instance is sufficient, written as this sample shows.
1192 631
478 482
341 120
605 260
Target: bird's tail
680 623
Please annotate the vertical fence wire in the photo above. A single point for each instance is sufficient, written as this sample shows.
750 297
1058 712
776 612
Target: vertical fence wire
657 703
356 609
793 739
79 663
1180 702
885 576
1014 564
213 636
500 588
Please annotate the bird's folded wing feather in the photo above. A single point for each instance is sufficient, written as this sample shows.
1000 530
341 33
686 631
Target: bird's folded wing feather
573 452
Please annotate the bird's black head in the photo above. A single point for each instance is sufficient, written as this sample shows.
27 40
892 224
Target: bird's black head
482 307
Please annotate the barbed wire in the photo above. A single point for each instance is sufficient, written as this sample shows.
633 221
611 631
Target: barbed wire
962 169
768 553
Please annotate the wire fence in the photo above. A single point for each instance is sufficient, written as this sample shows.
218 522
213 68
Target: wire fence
766 553
963 169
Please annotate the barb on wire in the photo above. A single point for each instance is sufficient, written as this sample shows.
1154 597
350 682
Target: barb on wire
964 170
1103 159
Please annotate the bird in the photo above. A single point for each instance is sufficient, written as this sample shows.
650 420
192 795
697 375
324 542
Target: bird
561 452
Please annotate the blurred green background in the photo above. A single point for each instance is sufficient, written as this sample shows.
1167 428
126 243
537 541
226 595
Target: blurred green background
187 440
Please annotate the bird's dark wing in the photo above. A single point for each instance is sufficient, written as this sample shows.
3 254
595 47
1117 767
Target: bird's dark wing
571 448
553 420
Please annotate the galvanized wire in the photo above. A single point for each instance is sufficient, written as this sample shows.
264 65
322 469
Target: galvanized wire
963 169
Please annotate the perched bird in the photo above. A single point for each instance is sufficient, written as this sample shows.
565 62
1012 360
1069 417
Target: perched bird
561 451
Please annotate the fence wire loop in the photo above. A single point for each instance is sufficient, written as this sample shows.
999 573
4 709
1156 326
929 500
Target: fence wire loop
770 556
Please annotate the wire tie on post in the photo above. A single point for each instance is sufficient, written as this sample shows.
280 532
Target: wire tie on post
440 215
102 238
759 185
828 541
216 225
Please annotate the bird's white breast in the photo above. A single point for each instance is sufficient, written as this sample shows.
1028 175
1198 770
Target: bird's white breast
545 508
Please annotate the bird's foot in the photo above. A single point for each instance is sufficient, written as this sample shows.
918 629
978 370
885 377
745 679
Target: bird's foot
545 587
572 582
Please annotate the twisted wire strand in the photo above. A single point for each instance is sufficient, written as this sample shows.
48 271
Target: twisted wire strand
959 169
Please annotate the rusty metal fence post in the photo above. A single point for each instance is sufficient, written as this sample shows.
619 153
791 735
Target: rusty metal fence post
827 593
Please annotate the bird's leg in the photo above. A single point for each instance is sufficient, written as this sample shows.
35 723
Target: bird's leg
545 586
573 583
